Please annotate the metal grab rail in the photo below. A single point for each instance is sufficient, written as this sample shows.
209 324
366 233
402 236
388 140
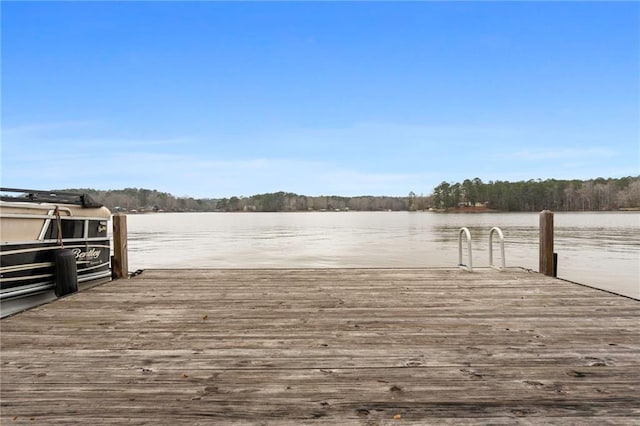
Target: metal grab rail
468 235
501 236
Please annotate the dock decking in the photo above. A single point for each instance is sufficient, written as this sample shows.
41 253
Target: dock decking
337 346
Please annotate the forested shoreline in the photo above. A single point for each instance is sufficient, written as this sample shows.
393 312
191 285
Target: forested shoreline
533 195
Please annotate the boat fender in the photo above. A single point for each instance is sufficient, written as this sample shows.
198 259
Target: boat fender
66 272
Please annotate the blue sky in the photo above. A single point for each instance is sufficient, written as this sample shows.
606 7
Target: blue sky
213 99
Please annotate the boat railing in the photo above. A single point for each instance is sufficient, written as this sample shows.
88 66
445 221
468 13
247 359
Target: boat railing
38 196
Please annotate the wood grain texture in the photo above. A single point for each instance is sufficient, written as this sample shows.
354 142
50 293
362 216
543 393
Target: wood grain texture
333 346
546 259
120 246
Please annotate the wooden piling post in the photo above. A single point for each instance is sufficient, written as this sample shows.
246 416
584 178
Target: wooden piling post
120 254
546 243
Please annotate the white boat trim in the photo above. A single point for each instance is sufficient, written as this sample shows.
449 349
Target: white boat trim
23 267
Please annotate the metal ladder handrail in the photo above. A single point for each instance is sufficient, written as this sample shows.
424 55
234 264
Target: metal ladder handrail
468 235
501 236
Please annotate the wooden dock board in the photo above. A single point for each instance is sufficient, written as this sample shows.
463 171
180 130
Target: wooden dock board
333 346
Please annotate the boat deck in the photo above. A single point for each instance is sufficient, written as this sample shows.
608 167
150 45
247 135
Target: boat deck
335 346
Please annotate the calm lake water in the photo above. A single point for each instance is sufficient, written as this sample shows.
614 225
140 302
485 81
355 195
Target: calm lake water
598 249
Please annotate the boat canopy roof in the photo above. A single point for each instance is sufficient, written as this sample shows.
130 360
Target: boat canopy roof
37 196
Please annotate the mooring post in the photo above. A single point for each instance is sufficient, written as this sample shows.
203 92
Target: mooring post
120 266
546 243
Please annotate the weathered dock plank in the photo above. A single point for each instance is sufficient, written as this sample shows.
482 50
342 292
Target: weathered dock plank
336 346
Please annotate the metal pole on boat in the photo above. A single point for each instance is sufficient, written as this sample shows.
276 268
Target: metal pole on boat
120 264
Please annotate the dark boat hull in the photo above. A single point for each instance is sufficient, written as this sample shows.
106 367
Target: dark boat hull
28 271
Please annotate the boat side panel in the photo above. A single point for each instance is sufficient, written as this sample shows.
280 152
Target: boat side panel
32 263
31 209
29 236
19 229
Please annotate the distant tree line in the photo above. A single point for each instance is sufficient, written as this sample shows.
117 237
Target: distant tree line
536 195
147 200
532 195
289 202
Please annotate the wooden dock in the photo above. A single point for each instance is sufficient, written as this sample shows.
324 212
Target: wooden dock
332 346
